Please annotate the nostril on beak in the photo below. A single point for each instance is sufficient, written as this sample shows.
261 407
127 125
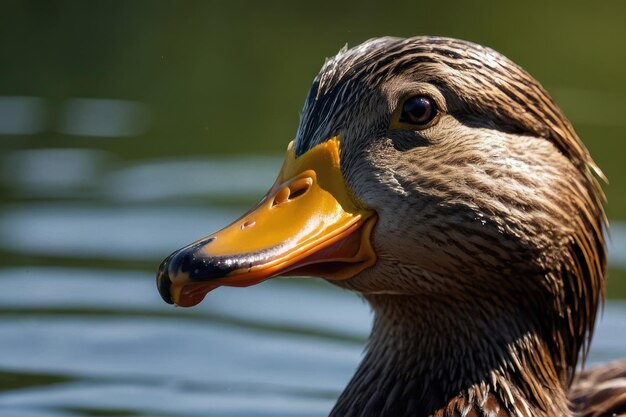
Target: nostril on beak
300 187
292 191
281 196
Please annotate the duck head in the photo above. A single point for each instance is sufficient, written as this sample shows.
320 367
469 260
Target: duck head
439 180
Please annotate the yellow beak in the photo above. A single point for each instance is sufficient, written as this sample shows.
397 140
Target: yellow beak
308 223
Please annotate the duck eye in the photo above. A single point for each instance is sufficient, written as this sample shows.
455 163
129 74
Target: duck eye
418 110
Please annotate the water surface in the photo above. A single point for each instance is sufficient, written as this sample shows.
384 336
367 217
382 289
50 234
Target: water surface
84 331
129 129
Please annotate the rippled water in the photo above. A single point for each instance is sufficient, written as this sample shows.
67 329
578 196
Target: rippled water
103 108
84 331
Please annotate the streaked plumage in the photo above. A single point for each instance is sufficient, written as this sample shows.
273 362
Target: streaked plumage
490 239
473 224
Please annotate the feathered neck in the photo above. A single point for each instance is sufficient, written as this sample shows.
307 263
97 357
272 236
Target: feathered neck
441 358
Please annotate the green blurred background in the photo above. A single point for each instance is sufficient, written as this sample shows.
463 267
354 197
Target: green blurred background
130 128
229 77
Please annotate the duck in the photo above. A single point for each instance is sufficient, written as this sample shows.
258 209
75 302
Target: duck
439 181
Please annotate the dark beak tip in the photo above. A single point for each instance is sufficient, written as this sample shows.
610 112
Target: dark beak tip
197 266
164 284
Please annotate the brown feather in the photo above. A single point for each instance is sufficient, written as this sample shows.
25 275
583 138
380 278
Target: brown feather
600 391
490 239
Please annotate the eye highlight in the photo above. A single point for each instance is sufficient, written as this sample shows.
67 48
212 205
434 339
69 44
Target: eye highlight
418 110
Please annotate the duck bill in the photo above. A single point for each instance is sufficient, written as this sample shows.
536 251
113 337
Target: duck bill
309 223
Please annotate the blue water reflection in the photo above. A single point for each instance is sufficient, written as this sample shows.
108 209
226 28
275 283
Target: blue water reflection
285 347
